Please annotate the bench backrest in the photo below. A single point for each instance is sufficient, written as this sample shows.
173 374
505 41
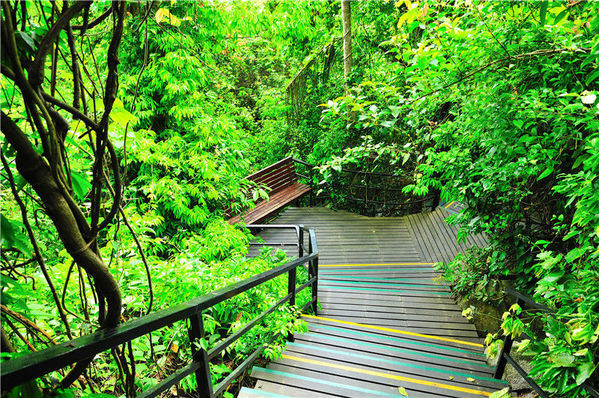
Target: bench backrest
277 176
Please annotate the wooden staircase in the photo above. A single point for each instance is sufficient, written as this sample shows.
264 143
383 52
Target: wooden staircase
388 325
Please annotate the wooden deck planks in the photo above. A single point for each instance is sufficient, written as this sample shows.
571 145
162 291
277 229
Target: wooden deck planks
387 321
381 362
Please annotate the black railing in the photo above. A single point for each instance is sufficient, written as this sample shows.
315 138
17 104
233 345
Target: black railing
369 193
505 357
35 365
298 242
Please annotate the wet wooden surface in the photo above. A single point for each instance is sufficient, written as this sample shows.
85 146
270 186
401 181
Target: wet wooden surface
388 325
281 179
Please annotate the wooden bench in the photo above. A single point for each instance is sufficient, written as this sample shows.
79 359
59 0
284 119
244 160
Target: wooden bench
280 177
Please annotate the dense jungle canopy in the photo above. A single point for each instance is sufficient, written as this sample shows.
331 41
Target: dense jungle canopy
128 128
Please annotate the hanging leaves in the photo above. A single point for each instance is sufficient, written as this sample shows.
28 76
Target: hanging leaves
164 15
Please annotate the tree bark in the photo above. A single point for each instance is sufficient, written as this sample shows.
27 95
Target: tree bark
347 53
36 171
49 173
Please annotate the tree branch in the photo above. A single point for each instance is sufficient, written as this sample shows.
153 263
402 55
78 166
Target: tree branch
38 254
36 74
37 172
118 192
26 322
76 113
499 61
93 23
109 98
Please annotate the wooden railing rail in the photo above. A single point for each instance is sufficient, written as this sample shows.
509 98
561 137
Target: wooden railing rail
32 366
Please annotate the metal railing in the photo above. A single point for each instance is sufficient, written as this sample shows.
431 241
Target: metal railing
505 357
299 241
32 366
372 192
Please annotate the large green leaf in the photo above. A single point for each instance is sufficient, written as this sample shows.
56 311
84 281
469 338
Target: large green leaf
81 184
584 371
13 236
543 11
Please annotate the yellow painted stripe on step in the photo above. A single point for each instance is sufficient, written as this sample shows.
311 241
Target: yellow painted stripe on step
371 265
388 376
447 206
398 331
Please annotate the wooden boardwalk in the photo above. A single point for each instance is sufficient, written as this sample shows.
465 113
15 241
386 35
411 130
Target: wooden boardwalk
388 325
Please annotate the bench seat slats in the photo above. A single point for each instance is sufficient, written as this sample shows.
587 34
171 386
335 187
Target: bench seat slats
281 179
270 169
269 207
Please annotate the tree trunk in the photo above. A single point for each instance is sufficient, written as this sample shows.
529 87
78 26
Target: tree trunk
347 55
46 172
36 171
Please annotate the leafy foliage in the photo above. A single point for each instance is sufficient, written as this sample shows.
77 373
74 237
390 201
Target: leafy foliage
183 127
496 105
490 103
500 99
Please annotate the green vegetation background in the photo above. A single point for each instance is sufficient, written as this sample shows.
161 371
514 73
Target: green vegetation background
493 104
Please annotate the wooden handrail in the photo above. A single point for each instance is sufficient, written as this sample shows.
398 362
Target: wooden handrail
37 364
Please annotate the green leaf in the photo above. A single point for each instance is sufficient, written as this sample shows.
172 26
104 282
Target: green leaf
575 253
122 116
592 76
526 138
28 39
584 371
543 12
563 359
81 184
516 309
395 110
560 16
546 173
554 276
505 393
165 15
13 236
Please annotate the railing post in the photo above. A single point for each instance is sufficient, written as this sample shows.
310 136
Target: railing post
367 180
291 281
196 332
315 286
507 347
291 285
385 194
291 290
436 199
311 185
300 247
313 273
